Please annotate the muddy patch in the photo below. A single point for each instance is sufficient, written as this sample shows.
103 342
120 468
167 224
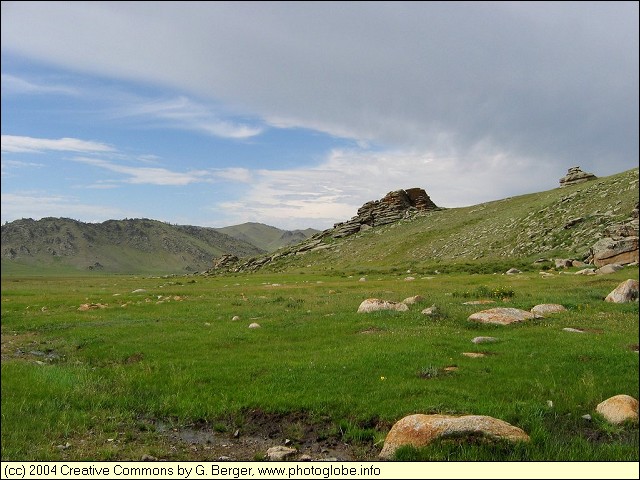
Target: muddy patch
253 432
28 347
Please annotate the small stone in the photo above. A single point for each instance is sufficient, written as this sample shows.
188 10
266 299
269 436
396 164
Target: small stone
572 330
587 417
279 453
474 354
484 340
254 325
235 318
148 458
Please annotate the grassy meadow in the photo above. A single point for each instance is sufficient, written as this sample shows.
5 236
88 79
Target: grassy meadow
157 353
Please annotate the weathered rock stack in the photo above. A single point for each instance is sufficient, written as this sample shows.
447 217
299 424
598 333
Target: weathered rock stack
576 175
392 207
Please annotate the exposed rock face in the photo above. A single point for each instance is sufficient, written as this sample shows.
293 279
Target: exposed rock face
501 316
392 207
622 250
225 261
627 291
576 175
419 430
619 409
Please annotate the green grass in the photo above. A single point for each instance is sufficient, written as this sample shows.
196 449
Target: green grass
173 354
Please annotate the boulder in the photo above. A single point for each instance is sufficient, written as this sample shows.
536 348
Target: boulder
547 308
254 325
413 300
627 291
608 250
376 304
501 316
420 430
619 409
513 271
608 269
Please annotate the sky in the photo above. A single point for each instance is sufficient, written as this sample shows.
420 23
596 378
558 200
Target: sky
294 114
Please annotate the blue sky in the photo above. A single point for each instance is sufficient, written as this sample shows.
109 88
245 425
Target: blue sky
295 114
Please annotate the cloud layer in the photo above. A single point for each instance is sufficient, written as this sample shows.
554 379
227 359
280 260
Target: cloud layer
472 101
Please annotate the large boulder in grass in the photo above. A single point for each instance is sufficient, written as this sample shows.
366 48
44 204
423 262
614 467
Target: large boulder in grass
615 250
501 316
619 409
627 291
376 304
420 430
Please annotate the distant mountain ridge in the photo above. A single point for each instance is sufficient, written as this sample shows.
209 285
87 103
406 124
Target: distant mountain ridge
266 237
130 245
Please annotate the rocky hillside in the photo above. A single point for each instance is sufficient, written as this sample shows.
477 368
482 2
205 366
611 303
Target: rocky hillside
131 246
394 233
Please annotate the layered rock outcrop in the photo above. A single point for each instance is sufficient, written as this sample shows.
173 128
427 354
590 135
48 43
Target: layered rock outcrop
576 175
392 207
620 244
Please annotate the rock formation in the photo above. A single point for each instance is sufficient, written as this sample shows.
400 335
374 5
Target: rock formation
576 175
392 207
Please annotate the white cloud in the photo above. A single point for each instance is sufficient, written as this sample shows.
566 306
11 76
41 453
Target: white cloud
183 113
149 175
19 144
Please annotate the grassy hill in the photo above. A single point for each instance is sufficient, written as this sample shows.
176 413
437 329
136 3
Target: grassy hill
62 245
560 223
266 237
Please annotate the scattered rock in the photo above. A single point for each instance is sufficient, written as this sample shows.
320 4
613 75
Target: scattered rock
235 318
479 302
627 291
609 268
91 306
375 304
513 271
572 330
431 311
586 271
148 458
362 279
254 325
474 354
419 430
547 308
587 417
413 300
139 290
279 453
484 340
409 279
501 316
619 409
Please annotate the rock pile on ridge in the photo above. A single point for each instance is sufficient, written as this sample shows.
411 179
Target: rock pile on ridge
576 175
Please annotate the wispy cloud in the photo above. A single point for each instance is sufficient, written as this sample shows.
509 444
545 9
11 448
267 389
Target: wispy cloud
19 144
14 85
181 112
148 175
